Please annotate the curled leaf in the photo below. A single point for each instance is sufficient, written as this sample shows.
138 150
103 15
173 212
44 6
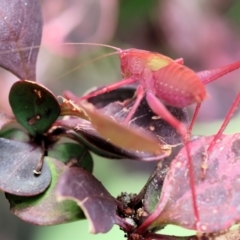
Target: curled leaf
84 133
69 108
118 103
123 136
98 205
119 134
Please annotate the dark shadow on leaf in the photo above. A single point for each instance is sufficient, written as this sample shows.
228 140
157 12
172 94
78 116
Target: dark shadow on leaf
112 104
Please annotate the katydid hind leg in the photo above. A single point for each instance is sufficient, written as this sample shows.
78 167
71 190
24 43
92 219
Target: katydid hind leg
219 133
157 106
208 76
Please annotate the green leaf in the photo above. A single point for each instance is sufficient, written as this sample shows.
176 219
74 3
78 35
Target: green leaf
14 134
72 154
34 106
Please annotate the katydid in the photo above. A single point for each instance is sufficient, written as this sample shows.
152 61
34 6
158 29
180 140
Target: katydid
164 80
160 78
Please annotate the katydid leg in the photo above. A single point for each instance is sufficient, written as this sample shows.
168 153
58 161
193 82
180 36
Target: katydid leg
211 75
157 106
140 94
196 111
106 89
219 133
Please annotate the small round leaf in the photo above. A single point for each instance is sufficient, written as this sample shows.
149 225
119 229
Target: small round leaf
43 209
34 106
17 162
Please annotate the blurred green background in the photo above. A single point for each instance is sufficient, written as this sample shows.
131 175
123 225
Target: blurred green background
205 33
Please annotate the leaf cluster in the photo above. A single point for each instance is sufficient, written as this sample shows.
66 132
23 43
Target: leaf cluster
46 164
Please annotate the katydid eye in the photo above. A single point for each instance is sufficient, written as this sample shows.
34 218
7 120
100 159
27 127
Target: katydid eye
122 55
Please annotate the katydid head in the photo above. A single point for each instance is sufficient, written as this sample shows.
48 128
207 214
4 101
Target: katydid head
133 61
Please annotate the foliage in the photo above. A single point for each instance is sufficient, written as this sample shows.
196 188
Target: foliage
46 165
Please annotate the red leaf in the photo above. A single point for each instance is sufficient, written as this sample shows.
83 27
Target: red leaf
218 195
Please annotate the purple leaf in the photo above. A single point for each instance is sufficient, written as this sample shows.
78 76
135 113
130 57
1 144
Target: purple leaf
87 135
117 104
44 209
17 162
131 138
218 194
95 201
20 27
153 187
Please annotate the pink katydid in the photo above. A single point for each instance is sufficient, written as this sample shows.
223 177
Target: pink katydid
164 80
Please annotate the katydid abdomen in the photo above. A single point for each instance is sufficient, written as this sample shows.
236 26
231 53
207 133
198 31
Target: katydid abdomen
176 85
